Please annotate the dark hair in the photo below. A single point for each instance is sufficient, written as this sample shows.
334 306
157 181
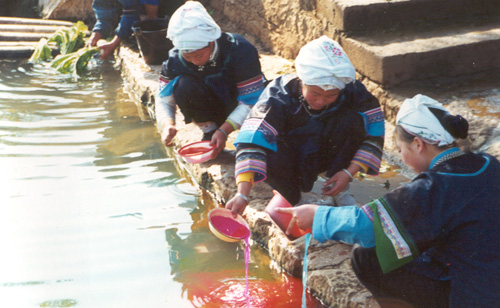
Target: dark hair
456 125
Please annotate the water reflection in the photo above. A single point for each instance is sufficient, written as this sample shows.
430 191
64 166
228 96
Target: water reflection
84 182
94 214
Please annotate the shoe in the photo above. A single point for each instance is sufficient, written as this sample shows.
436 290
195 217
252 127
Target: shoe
208 136
345 198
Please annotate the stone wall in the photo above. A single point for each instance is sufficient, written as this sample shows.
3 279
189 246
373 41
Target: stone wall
19 8
283 26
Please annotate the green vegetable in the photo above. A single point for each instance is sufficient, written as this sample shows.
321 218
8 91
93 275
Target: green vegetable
70 40
42 51
73 57
75 62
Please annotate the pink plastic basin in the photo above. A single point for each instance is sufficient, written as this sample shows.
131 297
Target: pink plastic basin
282 219
223 225
197 152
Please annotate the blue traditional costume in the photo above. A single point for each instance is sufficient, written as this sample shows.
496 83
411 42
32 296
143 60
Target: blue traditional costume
436 239
124 13
288 144
224 89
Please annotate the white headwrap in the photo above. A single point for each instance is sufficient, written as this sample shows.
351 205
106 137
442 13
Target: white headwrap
416 118
191 27
323 63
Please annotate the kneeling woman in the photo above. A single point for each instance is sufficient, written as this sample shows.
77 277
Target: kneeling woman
318 120
213 77
434 242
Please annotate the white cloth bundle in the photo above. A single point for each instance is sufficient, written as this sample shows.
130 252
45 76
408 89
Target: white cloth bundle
323 63
416 118
191 27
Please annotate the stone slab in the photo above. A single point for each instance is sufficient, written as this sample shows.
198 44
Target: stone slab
393 60
34 21
369 16
73 10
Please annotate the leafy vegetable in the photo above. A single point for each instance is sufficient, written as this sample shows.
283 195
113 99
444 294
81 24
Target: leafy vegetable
73 57
75 62
70 40
42 51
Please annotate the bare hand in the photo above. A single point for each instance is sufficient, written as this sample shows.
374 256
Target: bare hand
302 215
96 36
219 140
168 134
339 181
237 205
106 50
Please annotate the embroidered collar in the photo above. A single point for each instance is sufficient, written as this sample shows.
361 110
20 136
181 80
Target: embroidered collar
446 155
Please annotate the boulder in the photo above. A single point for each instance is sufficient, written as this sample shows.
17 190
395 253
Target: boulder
73 10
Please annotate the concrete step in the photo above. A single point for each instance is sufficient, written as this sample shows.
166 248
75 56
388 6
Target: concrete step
22 36
21 50
371 16
34 21
29 28
396 58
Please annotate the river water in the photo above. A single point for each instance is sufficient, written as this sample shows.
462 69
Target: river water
93 212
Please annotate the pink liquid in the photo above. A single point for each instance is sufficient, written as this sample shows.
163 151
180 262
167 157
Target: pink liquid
247 260
230 227
234 229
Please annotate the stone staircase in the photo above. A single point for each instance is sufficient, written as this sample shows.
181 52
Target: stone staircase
19 36
394 42
391 42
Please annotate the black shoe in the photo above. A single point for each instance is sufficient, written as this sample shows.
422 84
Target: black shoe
208 136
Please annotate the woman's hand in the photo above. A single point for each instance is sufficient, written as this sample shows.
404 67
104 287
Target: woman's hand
237 205
302 215
107 49
219 140
336 183
94 38
239 201
168 134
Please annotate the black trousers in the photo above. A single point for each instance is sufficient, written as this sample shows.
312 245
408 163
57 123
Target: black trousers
327 145
198 102
399 288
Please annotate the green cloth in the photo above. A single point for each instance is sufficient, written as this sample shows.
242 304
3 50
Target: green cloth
393 246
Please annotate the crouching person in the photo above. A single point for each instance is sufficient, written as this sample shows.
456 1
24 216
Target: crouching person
434 242
213 77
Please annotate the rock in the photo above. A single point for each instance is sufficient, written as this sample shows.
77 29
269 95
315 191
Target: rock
67 9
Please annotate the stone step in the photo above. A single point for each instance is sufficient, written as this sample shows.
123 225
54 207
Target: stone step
371 16
23 36
21 49
29 28
397 58
34 21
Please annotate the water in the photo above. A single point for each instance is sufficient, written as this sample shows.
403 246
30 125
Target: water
94 214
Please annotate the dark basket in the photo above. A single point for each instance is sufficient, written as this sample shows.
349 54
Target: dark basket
151 36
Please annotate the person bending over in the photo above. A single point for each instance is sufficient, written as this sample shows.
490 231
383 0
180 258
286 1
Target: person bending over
433 242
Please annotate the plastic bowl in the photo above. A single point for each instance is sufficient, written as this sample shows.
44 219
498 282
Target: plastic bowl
282 219
227 228
197 152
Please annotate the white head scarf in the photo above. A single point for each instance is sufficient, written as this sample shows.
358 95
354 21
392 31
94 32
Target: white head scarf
191 27
416 118
323 63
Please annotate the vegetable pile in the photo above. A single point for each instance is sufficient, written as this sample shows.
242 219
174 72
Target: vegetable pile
73 57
